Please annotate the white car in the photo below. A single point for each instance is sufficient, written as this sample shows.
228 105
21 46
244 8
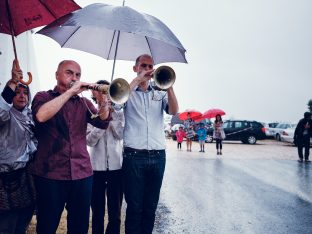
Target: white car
277 131
269 129
287 135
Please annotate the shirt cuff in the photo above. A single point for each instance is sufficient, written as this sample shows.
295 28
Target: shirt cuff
4 105
8 94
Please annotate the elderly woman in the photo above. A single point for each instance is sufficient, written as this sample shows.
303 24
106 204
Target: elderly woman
18 144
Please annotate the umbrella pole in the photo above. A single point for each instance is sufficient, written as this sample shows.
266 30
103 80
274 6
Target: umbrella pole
115 55
14 47
113 71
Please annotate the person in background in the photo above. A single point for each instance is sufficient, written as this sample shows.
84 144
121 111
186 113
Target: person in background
18 145
190 133
106 158
180 134
144 155
218 133
62 166
202 135
302 135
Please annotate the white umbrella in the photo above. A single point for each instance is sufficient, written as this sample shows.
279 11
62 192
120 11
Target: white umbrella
116 32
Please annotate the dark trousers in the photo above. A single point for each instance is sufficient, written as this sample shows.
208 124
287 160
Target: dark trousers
106 184
304 143
179 145
143 175
53 195
218 144
15 221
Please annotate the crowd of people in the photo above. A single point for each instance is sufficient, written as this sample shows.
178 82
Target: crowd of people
45 164
46 167
190 129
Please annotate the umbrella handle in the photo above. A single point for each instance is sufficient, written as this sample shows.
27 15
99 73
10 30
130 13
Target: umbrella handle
29 79
28 73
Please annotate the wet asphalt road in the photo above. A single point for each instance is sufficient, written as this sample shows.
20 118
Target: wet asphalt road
249 189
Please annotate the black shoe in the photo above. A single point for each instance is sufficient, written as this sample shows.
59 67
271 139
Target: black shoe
300 160
307 161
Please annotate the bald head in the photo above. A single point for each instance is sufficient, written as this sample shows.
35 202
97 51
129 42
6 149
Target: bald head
64 62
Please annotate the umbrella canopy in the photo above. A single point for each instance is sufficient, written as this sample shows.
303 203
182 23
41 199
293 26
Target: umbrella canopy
189 113
211 113
17 16
116 32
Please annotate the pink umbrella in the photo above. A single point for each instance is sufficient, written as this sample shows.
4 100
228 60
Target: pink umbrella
189 113
211 113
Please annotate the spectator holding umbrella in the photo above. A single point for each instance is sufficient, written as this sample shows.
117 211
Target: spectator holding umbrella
218 133
17 144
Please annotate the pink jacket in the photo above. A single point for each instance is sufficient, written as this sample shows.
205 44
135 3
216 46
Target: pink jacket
180 135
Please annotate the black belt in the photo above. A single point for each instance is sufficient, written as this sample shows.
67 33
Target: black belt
143 151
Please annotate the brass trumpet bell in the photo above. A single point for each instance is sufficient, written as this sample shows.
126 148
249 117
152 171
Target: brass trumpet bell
164 77
119 91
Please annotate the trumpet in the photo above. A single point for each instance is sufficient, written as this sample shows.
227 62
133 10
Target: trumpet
118 90
164 77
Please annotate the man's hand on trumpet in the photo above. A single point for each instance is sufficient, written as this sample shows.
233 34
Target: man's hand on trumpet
76 87
142 79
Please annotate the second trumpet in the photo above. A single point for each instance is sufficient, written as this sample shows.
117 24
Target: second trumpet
118 90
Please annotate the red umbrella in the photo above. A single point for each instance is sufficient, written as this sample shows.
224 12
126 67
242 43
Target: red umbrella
189 113
17 16
211 113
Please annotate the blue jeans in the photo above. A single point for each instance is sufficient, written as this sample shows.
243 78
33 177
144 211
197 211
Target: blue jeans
143 175
54 195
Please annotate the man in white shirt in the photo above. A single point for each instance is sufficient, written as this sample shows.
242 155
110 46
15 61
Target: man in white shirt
144 146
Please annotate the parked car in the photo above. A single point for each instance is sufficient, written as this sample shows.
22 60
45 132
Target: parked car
277 131
288 135
269 129
245 131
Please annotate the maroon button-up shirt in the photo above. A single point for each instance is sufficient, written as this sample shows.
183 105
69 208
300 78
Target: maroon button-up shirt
62 149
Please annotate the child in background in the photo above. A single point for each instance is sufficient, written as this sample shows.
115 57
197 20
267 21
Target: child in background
180 134
202 134
190 133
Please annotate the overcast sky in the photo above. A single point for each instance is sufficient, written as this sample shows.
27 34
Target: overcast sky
251 58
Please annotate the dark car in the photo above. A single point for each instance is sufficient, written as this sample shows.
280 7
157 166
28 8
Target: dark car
241 130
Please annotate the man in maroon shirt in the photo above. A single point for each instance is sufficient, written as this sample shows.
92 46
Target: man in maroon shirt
62 167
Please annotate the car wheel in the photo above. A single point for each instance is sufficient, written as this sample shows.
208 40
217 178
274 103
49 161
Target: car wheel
278 137
251 140
209 139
